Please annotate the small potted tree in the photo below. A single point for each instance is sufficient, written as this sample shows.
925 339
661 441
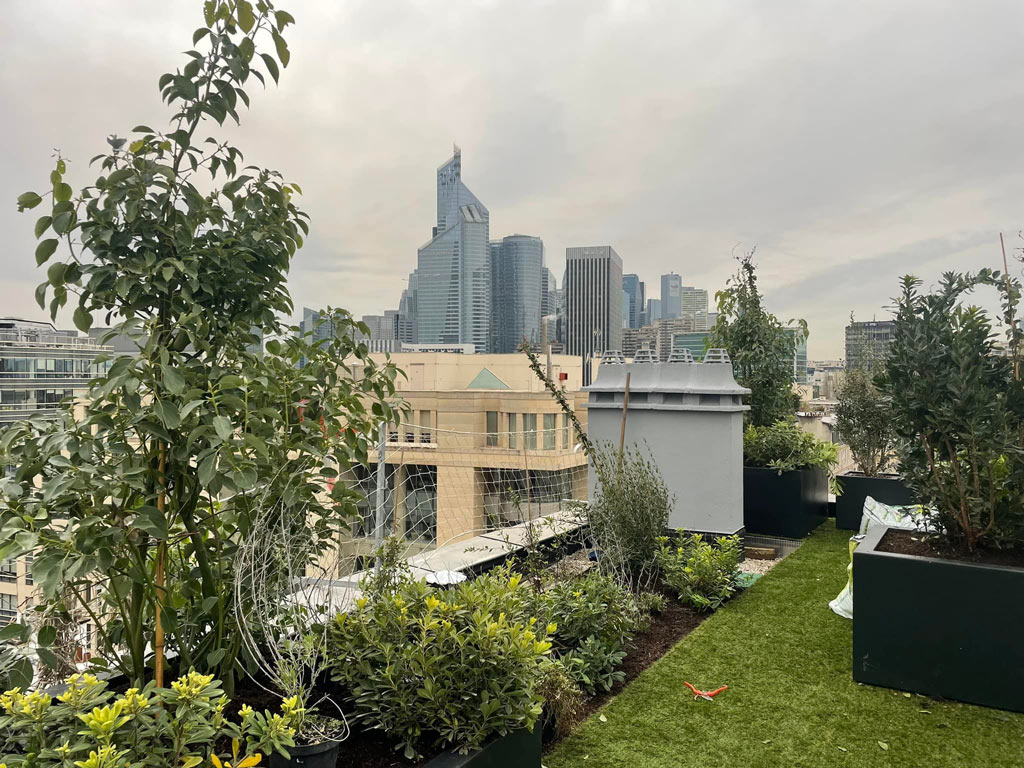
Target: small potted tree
785 473
939 612
864 420
785 480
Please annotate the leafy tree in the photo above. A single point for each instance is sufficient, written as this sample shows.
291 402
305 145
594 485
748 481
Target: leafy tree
135 498
958 408
865 422
760 347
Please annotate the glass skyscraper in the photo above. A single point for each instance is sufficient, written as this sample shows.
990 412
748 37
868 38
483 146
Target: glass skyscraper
453 271
671 295
517 284
635 290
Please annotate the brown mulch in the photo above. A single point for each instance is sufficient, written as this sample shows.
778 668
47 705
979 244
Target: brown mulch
915 543
669 628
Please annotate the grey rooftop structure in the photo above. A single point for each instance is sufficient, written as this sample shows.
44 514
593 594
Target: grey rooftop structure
689 417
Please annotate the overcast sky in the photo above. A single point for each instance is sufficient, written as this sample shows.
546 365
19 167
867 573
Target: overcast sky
851 142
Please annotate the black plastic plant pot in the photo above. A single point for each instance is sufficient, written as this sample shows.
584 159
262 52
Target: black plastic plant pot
322 755
855 486
520 749
790 504
939 627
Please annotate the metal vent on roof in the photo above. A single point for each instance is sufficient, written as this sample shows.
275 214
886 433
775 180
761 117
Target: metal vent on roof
613 356
645 356
680 356
717 356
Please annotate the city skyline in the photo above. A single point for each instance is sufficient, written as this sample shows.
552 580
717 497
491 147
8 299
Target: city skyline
902 168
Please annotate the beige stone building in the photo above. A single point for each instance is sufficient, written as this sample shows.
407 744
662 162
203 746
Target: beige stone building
483 446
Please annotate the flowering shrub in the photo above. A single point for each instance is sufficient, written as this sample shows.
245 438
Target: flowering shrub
443 669
179 727
702 574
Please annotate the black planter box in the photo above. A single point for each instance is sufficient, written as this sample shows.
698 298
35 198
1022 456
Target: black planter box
791 504
520 749
943 628
888 489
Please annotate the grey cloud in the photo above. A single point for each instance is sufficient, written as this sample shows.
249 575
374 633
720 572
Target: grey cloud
850 141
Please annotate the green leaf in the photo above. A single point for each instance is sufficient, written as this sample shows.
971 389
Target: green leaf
283 19
246 19
198 35
152 521
21 674
884 747
49 658
210 12
223 427
271 65
282 49
83 320
45 250
173 379
14 632
142 129
207 469
168 413
55 274
62 222
247 48
28 200
47 635
62 192
213 659
43 224
41 294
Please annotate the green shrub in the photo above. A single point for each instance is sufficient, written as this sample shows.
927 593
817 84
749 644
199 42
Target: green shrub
703 575
784 446
443 669
595 617
629 511
180 727
958 408
563 699
865 421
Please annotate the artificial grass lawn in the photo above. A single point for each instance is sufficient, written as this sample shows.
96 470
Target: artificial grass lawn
791 699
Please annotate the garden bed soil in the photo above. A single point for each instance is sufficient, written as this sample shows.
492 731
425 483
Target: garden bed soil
675 623
902 542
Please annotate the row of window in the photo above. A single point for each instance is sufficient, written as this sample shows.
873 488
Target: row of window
82 366
9 570
523 427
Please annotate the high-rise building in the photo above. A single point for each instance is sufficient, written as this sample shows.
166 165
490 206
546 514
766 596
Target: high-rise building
867 343
692 341
671 295
548 293
635 339
799 355
518 278
41 366
453 271
637 299
653 311
666 329
593 302
694 302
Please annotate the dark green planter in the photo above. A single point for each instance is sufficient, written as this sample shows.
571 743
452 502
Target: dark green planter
939 627
516 750
323 755
888 489
791 504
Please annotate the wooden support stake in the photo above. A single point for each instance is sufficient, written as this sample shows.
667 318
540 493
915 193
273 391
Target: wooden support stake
622 433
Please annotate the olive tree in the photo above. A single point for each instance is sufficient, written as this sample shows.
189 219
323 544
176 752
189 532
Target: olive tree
864 420
135 499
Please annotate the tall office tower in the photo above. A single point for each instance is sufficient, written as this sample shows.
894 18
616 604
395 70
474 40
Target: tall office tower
548 293
799 355
453 270
653 311
517 274
593 303
671 295
635 289
867 343
407 307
